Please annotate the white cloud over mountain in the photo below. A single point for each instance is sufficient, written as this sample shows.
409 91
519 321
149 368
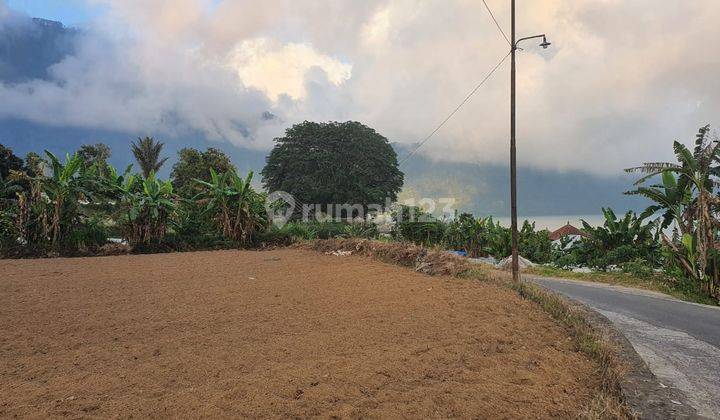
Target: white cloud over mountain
621 81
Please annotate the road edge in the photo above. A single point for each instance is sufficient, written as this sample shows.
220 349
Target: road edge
644 395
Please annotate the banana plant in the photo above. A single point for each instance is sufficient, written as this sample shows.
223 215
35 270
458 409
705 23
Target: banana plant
615 232
119 185
148 209
66 186
499 239
234 205
673 198
689 243
698 172
250 213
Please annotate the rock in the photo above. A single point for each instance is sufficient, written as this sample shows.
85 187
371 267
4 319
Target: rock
339 253
506 263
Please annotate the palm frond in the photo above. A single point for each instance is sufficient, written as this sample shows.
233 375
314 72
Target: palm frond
684 156
652 167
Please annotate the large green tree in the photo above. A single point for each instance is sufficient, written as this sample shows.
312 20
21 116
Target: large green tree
193 164
334 163
147 153
95 155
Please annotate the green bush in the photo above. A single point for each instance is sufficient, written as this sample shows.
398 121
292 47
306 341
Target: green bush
360 230
415 225
478 237
535 245
287 234
323 230
294 231
482 237
618 241
8 231
637 268
91 234
566 260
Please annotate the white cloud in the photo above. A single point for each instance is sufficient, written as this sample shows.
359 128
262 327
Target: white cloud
280 69
621 80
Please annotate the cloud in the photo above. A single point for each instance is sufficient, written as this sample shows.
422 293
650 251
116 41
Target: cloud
280 69
621 81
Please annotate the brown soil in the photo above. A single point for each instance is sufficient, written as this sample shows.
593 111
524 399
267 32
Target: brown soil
275 334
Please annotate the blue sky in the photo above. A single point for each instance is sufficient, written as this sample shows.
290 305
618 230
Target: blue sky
69 12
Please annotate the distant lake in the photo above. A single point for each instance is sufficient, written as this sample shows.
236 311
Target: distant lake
552 223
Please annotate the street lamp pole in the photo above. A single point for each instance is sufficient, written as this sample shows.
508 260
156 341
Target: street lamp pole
513 151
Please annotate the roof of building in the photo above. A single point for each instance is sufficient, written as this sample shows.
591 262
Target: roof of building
566 230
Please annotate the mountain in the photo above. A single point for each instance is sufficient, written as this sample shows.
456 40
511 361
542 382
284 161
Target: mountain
28 48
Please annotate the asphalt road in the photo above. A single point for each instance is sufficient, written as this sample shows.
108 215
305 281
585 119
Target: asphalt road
679 341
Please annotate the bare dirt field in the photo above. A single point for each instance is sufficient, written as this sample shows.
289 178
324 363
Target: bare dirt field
275 334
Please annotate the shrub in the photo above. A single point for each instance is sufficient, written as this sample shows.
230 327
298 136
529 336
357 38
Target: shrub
360 230
637 268
482 237
469 234
566 261
91 234
535 245
8 232
190 220
618 241
414 225
325 230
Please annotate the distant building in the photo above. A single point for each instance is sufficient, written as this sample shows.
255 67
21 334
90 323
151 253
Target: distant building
568 231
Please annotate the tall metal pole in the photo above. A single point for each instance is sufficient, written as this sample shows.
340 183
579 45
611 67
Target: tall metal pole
513 152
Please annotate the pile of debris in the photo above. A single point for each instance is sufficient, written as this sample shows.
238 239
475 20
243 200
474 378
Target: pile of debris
429 261
523 263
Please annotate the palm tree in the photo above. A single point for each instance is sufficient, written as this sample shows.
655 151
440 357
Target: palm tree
147 153
696 173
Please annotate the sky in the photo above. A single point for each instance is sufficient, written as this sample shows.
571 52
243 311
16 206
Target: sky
621 81
69 12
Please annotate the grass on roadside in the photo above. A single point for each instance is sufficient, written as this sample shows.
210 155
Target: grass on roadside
657 282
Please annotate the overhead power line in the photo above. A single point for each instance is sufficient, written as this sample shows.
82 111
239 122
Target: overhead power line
467 98
496 23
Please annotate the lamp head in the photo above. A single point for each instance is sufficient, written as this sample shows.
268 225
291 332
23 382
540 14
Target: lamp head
545 43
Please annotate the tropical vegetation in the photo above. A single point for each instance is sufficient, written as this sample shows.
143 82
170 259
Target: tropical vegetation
688 198
80 204
193 164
